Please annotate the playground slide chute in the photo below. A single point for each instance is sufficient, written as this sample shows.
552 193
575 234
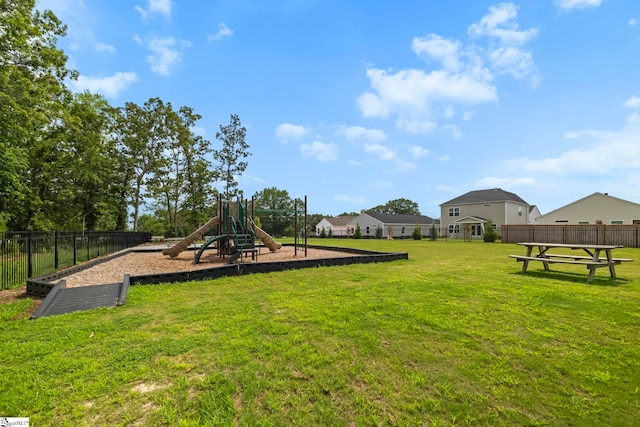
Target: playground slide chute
176 249
267 239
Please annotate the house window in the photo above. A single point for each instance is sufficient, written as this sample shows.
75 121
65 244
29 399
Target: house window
454 229
486 205
583 222
454 211
616 222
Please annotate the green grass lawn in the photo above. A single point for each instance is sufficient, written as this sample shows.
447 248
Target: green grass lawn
455 335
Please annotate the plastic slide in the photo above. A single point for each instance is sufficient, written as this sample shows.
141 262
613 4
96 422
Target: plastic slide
267 239
179 247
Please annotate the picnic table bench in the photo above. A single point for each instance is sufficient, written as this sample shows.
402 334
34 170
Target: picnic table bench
592 261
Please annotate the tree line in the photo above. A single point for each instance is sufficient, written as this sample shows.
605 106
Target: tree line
71 161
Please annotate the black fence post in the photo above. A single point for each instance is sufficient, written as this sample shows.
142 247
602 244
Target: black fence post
75 249
55 250
29 255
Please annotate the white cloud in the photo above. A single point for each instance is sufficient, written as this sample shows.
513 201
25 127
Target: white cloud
633 22
444 158
108 86
287 132
380 150
104 47
500 23
433 46
223 31
320 151
355 133
165 53
452 130
468 115
576 4
417 152
354 163
609 153
161 7
460 74
386 154
633 102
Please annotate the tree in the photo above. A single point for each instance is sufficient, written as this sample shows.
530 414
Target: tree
32 74
397 207
234 149
275 209
143 134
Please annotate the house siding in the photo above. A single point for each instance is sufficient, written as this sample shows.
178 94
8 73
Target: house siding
592 208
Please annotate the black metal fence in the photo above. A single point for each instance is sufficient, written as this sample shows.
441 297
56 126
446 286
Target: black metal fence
25 254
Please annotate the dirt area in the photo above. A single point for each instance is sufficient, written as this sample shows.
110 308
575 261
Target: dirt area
139 263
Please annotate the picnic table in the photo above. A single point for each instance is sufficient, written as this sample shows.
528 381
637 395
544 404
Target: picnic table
593 260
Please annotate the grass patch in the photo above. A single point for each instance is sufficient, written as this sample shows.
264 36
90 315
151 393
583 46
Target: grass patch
454 335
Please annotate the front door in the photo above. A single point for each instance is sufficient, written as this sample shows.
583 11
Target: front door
476 230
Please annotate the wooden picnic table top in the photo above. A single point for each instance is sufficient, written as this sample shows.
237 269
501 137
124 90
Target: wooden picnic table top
570 245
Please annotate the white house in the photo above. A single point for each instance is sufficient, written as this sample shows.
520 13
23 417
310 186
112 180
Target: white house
598 208
334 226
391 225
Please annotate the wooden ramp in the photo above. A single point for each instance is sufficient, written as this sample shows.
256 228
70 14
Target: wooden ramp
67 300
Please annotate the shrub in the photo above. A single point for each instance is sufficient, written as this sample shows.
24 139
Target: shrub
433 232
330 233
417 233
323 233
379 232
358 233
490 235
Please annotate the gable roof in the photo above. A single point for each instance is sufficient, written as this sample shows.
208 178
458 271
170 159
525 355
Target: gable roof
402 219
486 196
599 195
339 221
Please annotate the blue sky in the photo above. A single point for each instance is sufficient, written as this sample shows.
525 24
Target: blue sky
355 103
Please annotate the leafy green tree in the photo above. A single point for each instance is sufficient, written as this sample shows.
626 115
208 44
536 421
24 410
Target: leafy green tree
275 208
143 134
397 207
230 156
32 93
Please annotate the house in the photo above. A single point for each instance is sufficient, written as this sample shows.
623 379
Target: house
474 209
391 225
334 226
598 208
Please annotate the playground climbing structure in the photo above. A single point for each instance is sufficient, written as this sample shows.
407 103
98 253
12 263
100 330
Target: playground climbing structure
231 232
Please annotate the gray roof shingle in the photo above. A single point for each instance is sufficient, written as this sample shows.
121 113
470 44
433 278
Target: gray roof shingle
403 219
486 196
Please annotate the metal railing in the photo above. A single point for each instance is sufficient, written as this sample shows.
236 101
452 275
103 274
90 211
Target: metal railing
25 254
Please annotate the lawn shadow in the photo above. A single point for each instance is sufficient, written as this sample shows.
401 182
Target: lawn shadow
575 277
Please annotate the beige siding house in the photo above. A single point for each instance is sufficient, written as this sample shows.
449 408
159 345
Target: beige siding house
334 226
473 210
597 208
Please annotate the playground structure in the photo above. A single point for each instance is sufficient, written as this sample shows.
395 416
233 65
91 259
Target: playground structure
232 232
